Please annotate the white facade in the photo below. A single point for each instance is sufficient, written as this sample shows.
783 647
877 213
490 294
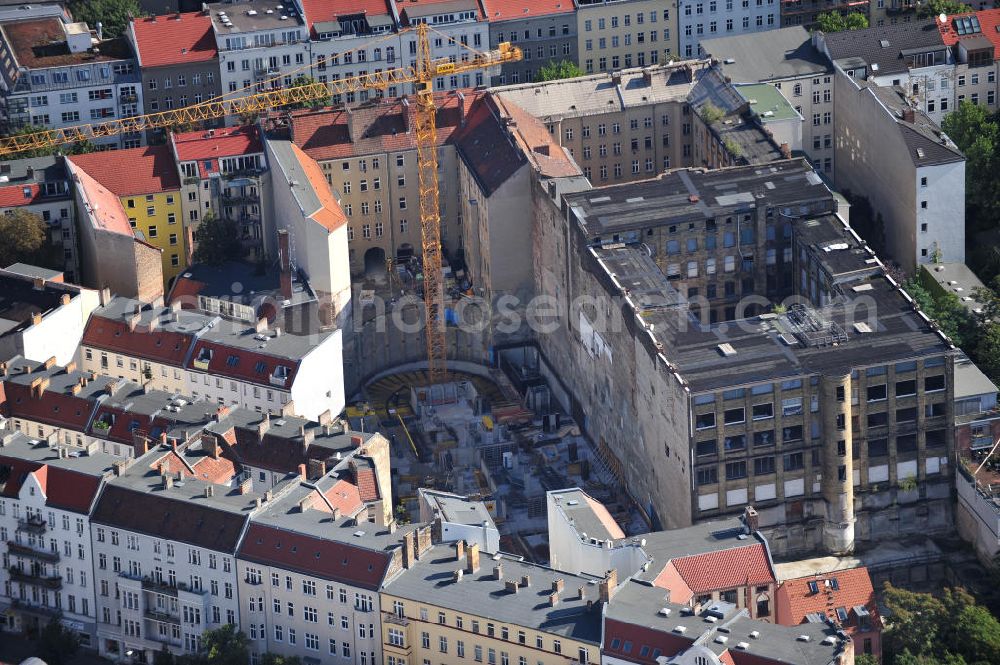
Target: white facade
940 213
932 89
292 614
575 551
155 593
707 19
461 519
51 550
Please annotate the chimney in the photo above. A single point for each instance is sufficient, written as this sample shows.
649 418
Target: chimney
786 151
263 426
163 438
302 472
459 546
284 262
909 115
405 114
36 318
246 486
751 519
140 444
119 467
317 468
355 129
580 593
525 581
308 436
210 445
261 325
409 555
39 283
64 300
553 599
472 558
168 481
557 586
357 441
461 108
221 413
69 367
498 571
457 575
616 77
325 418
209 491
511 586
109 388
607 585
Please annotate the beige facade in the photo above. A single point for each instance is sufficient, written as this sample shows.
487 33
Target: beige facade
613 35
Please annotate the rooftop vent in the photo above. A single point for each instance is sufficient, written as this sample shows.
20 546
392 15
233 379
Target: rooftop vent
726 349
754 634
744 646
803 638
664 612
862 327
721 639
829 640
884 43
680 629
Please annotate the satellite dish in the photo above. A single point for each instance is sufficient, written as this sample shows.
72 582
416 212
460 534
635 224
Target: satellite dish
943 18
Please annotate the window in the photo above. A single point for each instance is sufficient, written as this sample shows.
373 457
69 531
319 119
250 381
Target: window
736 470
734 416
933 383
705 420
906 388
793 462
763 465
876 393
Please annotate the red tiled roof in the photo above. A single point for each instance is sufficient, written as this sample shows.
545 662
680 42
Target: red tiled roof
669 644
504 10
186 290
246 366
989 21
329 215
487 149
321 11
345 497
134 171
321 557
795 601
725 569
13 196
670 579
174 39
52 408
64 488
106 209
323 135
205 147
163 346
367 484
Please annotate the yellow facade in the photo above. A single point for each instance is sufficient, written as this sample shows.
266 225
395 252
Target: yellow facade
158 219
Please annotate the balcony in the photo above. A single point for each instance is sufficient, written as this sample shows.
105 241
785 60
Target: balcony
279 377
35 578
24 550
161 617
396 620
33 524
203 359
37 610
896 8
236 198
128 99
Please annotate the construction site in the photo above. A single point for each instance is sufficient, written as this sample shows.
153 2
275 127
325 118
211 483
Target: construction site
492 434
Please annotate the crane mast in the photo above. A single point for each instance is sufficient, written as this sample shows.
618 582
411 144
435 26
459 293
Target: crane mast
422 75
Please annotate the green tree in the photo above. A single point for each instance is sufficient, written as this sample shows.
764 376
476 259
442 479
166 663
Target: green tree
916 620
553 71
987 351
24 237
949 313
302 81
976 132
937 7
865 659
836 22
57 644
114 15
164 657
274 659
216 241
225 646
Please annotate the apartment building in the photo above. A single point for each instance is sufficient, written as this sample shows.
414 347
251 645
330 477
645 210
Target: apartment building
260 47
618 127
165 540
443 606
368 155
61 74
221 173
145 181
112 255
643 625
844 599
973 39
804 12
707 19
762 401
787 59
48 571
544 31
457 26
41 185
220 360
44 316
622 34
912 56
178 60
502 149
585 539
310 574
348 39
912 174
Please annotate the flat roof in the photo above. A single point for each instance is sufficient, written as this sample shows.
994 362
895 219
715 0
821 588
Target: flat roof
598 94
958 279
767 56
970 381
253 16
458 509
42 43
767 102
19 299
587 515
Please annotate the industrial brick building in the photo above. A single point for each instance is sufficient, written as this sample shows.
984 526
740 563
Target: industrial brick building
740 346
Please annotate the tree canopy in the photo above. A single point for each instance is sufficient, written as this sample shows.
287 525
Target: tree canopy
938 7
564 69
216 241
836 22
113 14
950 629
57 644
24 237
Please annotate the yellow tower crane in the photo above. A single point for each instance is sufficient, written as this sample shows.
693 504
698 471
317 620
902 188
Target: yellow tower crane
422 75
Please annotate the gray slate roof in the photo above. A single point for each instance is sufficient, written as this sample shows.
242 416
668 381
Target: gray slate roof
885 45
768 56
